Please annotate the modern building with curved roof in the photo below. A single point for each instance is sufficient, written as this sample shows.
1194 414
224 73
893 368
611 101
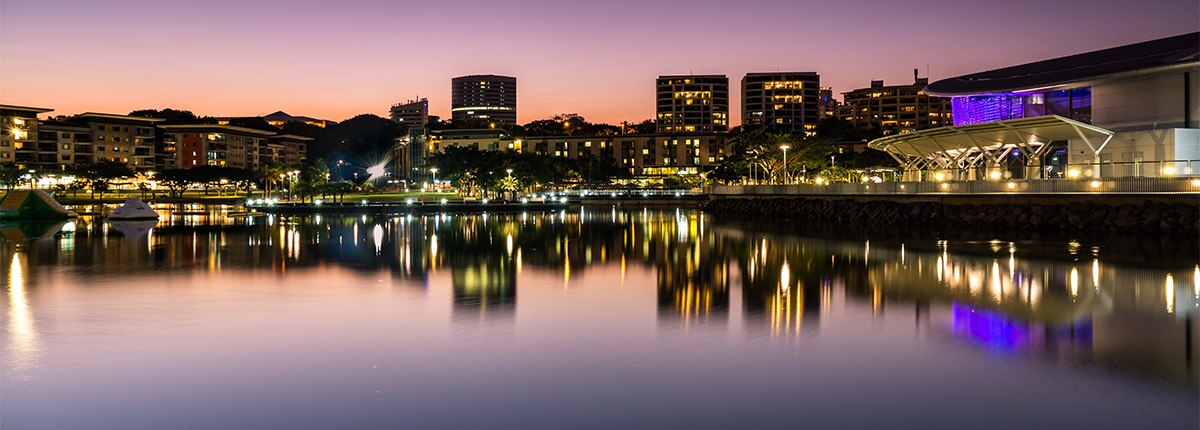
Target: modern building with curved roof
1131 110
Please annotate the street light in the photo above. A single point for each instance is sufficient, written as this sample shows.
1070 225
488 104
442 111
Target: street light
785 172
434 170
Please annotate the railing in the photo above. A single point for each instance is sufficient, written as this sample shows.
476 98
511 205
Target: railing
1098 170
1164 185
631 193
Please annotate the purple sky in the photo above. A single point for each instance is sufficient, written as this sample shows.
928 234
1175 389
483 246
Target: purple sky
335 59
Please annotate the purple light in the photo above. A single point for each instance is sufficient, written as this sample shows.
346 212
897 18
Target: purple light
986 108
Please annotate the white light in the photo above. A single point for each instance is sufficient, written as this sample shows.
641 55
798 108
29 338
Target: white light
377 171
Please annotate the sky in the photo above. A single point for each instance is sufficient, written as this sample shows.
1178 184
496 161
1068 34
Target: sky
337 59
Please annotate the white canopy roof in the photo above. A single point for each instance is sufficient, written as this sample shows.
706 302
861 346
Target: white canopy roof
1025 132
965 147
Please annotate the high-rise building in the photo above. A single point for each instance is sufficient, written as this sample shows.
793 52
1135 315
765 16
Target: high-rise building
489 100
692 103
828 105
897 108
782 101
412 113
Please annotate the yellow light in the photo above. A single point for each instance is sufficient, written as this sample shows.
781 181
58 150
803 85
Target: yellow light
1168 170
995 174
1095 184
1012 185
820 181
939 176
1196 182
1073 173
945 186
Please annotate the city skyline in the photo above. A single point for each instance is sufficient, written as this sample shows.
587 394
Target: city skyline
334 63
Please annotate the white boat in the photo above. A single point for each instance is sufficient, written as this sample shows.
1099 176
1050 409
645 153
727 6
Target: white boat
133 209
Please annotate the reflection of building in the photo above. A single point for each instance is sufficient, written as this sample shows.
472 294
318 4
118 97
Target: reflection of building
693 279
484 99
781 101
896 109
486 284
692 103
413 113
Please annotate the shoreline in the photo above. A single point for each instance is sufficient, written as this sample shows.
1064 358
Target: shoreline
1179 216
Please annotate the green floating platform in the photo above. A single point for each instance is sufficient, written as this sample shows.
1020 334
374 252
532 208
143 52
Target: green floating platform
32 205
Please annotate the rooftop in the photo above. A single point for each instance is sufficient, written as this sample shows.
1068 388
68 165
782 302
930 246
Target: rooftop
226 128
35 110
117 117
1181 50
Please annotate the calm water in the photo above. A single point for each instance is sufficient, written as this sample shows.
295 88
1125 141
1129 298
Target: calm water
594 318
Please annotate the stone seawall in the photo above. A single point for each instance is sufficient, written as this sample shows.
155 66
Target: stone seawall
1148 217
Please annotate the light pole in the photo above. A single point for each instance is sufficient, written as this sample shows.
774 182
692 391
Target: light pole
434 170
31 179
785 172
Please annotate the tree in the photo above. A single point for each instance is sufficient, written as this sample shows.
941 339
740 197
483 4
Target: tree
10 175
172 116
99 175
765 155
313 178
176 180
268 173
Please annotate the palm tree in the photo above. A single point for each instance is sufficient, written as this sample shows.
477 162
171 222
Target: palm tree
269 173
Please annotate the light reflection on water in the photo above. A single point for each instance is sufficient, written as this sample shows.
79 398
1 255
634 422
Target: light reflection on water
619 313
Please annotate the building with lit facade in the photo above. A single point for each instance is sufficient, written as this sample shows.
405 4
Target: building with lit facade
18 139
652 154
487 139
781 101
288 149
413 113
63 144
489 100
827 105
215 145
896 109
692 103
1118 112
127 139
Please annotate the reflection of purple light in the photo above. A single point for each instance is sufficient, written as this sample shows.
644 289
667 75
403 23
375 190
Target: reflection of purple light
991 329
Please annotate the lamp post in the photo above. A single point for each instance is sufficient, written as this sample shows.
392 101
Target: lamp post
785 171
31 179
434 170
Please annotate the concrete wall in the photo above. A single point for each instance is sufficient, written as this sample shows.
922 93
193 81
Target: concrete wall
1151 102
1144 153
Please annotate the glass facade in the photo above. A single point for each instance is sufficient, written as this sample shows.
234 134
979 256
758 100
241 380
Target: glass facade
1073 103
